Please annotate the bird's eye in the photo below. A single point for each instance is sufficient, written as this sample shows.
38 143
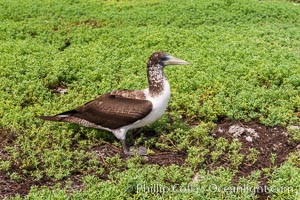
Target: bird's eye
165 58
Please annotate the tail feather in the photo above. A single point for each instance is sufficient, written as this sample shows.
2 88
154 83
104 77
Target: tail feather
51 118
59 117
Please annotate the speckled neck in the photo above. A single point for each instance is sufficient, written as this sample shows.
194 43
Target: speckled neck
156 78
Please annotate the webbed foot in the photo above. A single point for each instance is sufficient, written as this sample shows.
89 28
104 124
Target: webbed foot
141 151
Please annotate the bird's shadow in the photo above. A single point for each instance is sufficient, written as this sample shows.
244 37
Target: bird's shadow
150 135
146 136
87 133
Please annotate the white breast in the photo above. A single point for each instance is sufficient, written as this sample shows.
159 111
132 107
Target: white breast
159 105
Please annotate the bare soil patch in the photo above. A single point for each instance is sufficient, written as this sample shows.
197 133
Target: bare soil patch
161 158
11 188
58 89
266 140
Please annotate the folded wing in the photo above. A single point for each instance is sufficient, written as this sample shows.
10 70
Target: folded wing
109 111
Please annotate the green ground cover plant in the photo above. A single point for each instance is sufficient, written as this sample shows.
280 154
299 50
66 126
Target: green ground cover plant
245 66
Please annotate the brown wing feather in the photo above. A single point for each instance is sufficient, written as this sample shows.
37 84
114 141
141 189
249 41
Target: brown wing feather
113 112
132 94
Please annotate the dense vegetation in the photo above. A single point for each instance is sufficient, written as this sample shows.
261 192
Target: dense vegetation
245 65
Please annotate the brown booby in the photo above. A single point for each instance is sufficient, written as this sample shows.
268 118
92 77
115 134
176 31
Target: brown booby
122 110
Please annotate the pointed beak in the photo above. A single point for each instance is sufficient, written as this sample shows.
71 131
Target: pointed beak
171 60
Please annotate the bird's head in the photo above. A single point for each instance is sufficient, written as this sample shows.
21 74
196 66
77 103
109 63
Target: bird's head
163 59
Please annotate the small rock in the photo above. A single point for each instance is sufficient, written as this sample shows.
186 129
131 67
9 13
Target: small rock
236 130
261 149
250 130
276 146
249 139
236 135
255 135
220 130
60 90
285 134
294 127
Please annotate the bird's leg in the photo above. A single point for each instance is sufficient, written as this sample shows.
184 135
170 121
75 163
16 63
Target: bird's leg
125 148
141 151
